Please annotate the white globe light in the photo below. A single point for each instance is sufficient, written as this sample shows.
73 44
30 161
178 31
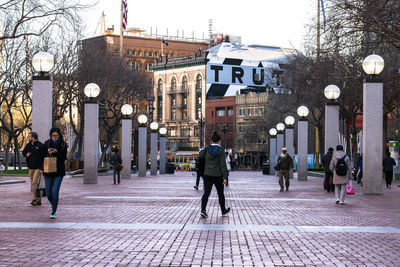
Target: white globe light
154 126
280 127
92 90
289 120
142 119
163 131
332 92
302 111
126 110
273 131
43 62
373 64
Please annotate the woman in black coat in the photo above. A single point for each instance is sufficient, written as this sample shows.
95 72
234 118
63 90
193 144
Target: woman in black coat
55 147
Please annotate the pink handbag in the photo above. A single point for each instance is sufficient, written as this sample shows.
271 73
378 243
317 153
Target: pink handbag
350 188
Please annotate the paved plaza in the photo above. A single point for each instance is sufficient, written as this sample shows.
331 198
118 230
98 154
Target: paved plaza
155 221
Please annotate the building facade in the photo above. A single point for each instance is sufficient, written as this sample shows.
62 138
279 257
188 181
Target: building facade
251 140
179 92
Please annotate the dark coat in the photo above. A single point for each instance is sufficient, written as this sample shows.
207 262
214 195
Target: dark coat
115 157
388 164
215 164
35 160
285 163
61 155
326 161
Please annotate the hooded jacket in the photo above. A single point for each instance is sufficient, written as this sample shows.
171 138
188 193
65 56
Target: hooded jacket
215 161
336 178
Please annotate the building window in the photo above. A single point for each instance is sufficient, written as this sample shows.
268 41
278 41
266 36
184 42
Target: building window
145 54
173 115
150 54
133 52
155 54
230 128
184 83
230 111
220 112
172 131
173 100
139 53
184 114
242 111
199 82
184 99
241 127
185 131
128 51
116 51
173 84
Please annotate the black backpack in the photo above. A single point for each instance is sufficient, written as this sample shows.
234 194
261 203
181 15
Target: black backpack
341 167
201 165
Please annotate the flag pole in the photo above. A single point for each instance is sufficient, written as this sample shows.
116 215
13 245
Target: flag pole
121 36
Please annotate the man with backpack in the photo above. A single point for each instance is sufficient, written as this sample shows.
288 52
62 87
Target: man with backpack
340 167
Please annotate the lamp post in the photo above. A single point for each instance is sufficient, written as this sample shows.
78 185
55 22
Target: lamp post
142 119
126 143
332 93
163 146
91 134
372 125
201 125
289 138
280 137
272 150
224 130
42 88
153 147
302 143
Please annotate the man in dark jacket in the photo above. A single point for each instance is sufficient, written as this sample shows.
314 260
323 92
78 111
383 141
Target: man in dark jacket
326 161
115 161
215 173
388 163
33 151
285 162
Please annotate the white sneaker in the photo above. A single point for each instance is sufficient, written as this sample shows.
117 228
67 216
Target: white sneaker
341 202
337 201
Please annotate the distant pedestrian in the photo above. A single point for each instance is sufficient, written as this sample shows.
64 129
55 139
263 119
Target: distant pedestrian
116 164
33 152
215 173
285 162
228 165
359 169
340 167
388 164
198 175
55 147
326 161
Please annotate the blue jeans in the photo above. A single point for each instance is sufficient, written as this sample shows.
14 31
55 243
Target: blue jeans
52 189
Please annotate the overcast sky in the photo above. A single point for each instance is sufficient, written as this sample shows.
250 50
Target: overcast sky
267 22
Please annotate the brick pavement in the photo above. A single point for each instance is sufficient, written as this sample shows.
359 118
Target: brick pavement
154 221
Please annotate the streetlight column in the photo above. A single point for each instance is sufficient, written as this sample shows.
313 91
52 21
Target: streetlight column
42 88
142 145
280 138
302 143
91 134
153 147
163 154
332 93
372 125
272 150
126 142
289 139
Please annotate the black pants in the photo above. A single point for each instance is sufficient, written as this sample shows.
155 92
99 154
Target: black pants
116 173
209 181
330 187
389 178
198 179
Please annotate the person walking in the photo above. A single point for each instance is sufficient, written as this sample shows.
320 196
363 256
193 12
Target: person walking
340 167
215 173
116 164
388 164
33 152
198 175
55 147
228 166
285 162
326 161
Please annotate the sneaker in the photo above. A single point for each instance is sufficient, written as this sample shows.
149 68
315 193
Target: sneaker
33 203
38 203
53 216
196 187
341 202
337 201
287 189
204 214
226 211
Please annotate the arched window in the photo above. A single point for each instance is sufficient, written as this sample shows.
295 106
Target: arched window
159 99
184 83
198 82
173 84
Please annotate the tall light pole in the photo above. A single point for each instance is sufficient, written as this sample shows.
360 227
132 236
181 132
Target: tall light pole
201 125
372 125
142 119
272 150
153 147
163 153
280 138
42 94
302 143
289 139
91 134
332 93
126 144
